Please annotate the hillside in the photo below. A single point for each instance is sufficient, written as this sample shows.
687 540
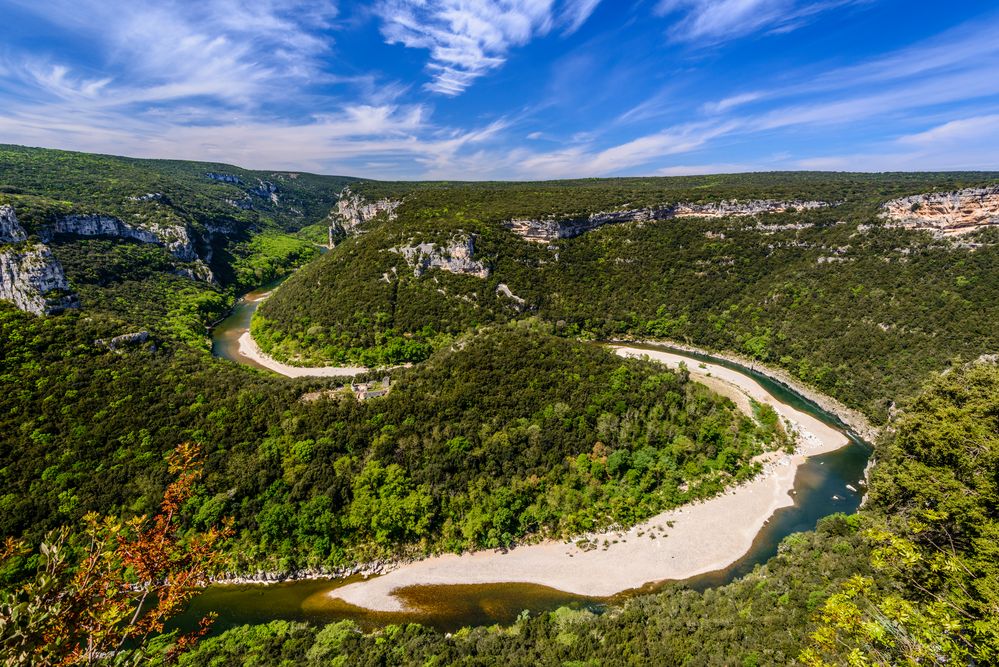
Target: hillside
510 425
827 593
805 271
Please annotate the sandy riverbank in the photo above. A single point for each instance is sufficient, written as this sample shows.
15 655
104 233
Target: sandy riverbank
856 420
249 349
704 537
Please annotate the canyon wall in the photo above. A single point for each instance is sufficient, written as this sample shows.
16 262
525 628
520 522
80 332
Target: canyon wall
550 229
352 210
946 213
455 257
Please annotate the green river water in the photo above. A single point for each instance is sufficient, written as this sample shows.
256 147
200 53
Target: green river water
820 489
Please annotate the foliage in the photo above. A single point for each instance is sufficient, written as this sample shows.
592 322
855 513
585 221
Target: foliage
511 433
103 595
939 601
510 429
859 310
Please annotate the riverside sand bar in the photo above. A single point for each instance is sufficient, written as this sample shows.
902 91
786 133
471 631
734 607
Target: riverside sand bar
248 348
703 537
231 339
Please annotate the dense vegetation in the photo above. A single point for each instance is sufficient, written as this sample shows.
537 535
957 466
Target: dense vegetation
510 428
909 580
515 434
861 311
41 182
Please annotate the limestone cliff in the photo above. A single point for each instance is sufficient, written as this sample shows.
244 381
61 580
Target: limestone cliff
34 280
352 210
223 177
946 213
175 238
548 230
735 208
10 229
266 190
456 257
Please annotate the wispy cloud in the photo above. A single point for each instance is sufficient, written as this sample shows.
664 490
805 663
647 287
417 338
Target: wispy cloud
963 144
231 52
731 102
468 38
712 21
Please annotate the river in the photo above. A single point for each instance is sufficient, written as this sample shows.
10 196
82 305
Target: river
821 487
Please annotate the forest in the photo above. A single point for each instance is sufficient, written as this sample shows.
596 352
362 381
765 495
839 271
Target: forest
860 310
911 579
513 424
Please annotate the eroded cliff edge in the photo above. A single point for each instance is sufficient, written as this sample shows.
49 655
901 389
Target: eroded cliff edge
546 230
30 277
946 213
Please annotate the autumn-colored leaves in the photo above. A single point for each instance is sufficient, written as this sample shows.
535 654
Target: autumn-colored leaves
102 594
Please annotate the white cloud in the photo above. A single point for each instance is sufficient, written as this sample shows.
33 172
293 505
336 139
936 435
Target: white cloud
731 102
712 21
965 144
963 131
468 38
575 13
233 52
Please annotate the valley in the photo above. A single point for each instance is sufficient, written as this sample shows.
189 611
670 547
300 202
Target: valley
513 460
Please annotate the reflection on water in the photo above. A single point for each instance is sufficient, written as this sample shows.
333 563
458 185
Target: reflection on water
225 334
820 489
446 608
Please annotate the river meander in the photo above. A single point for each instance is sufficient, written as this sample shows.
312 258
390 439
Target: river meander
822 486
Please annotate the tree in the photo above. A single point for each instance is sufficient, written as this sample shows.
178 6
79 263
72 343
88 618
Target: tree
104 594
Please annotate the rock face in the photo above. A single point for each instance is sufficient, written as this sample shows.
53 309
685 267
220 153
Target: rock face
724 209
174 238
946 213
352 210
265 190
224 178
123 341
548 230
456 257
10 229
244 204
34 281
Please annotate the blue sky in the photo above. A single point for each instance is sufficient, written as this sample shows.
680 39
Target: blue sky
516 89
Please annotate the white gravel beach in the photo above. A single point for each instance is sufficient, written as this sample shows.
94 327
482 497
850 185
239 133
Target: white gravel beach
704 537
248 348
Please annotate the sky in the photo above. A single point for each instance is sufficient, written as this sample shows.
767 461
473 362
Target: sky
511 89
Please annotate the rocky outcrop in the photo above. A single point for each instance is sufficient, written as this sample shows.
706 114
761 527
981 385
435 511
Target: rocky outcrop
352 210
151 196
223 177
504 290
946 213
175 238
34 280
265 190
123 341
11 230
548 230
244 204
733 208
456 257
